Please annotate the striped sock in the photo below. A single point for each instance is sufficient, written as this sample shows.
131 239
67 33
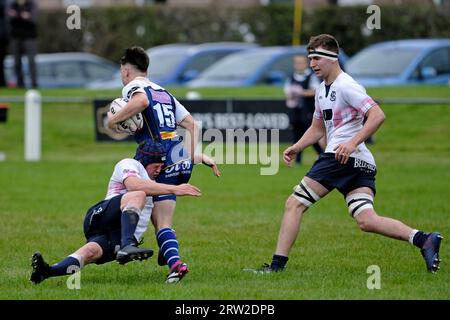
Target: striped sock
168 244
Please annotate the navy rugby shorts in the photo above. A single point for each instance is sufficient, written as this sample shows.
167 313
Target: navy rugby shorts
178 169
330 173
102 225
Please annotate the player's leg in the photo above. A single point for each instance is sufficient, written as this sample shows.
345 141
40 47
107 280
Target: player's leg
163 212
131 205
360 203
118 214
306 193
89 253
162 216
98 220
164 207
30 47
16 48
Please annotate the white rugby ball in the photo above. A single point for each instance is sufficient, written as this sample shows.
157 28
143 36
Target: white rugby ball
131 125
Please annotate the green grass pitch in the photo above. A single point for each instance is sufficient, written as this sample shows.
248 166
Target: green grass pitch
235 223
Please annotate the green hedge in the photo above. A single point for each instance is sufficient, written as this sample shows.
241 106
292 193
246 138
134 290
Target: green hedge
107 31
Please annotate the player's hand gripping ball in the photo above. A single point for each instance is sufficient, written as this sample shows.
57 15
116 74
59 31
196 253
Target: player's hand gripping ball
129 126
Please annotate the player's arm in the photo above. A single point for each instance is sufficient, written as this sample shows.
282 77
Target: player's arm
207 161
189 124
374 118
152 188
137 103
314 133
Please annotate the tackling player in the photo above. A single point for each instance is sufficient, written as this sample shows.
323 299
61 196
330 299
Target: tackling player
114 226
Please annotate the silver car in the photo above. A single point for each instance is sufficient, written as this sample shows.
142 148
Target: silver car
63 70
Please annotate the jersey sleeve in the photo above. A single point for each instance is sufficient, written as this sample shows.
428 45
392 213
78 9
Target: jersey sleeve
130 89
356 97
180 111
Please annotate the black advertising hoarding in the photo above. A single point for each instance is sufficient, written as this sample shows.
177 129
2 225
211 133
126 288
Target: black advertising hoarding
215 114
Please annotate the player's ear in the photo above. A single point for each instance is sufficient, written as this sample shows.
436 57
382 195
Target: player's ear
126 71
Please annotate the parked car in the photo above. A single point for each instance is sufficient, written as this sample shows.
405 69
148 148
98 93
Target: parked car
175 64
259 66
63 70
402 62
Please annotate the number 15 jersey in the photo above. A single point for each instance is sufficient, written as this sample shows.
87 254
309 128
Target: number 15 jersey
163 113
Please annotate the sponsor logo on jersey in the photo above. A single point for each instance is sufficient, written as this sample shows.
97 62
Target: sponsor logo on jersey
327 114
185 165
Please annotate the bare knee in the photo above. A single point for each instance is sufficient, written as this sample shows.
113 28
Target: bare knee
293 204
91 252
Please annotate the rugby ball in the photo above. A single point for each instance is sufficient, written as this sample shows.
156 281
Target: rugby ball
131 125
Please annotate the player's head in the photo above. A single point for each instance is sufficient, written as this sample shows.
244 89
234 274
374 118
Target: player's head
323 52
152 156
133 63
